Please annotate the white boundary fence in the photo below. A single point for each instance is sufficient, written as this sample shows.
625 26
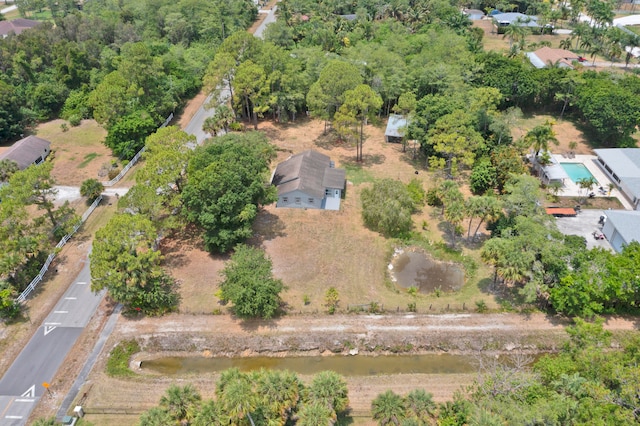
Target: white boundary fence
23 296
135 158
32 286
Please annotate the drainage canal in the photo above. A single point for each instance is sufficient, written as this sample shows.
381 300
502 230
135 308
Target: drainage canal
344 365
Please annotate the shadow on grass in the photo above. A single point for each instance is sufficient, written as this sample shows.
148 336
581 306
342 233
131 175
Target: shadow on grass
267 226
253 324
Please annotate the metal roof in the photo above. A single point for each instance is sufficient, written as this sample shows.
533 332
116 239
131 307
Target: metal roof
626 222
519 19
554 171
625 163
395 126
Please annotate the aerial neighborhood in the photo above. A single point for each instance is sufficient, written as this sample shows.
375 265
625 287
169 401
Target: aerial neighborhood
301 212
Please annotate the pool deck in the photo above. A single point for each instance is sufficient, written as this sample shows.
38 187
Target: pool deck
570 189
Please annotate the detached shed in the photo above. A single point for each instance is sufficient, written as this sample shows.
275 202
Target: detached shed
396 128
28 151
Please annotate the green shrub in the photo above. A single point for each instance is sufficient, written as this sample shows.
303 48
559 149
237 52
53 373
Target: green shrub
236 127
416 192
75 120
113 173
433 198
118 362
481 306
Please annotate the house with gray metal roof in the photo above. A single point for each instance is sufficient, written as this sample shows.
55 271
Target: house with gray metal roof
622 165
28 151
396 128
503 20
309 180
621 228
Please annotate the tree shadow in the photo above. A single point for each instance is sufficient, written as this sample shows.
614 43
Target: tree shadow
251 325
329 140
368 160
267 226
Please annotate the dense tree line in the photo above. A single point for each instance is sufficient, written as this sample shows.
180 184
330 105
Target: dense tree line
30 227
126 64
258 398
583 384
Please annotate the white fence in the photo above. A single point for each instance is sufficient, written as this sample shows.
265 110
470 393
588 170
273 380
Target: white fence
32 286
135 158
23 296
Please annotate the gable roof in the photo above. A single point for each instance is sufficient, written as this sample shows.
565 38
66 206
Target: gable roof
309 172
625 163
626 222
514 18
16 26
395 126
548 56
26 151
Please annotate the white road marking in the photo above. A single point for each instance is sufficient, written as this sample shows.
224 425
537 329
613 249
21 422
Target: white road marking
24 400
12 417
52 323
70 298
81 282
60 312
30 393
48 329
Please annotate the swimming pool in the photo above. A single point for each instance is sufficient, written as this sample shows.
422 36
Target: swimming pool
576 171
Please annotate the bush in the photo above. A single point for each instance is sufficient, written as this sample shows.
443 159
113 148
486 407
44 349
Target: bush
481 306
92 188
75 120
416 192
387 208
433 198
236 127
118 362
113 173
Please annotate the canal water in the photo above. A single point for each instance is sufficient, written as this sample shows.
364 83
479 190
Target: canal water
345 365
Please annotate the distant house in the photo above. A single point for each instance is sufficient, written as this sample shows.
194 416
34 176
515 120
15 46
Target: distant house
27 151
621 228
622 165
309 180
473 14
546 56
16 26
503 20
396 128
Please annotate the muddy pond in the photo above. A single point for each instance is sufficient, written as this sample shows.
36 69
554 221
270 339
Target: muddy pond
344 365
415 268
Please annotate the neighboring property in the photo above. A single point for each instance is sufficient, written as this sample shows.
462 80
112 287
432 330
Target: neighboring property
551 173
621 228
546 56
622 165
309 180
396 128
503 20
473 14
16 26
27 151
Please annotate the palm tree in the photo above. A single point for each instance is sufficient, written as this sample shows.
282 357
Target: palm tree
280 393
329 388
210 414
156 417
180 402
483 207
587 185
539 137
566 43
419 404
516 34
388 408
238 400
315 414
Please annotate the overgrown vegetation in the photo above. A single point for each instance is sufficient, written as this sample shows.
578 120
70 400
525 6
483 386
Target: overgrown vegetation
118 361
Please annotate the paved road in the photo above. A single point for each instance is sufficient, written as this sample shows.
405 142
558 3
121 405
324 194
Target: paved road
195 125
21 387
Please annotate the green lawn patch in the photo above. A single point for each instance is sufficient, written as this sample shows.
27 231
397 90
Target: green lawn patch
118 362
357 174
87 159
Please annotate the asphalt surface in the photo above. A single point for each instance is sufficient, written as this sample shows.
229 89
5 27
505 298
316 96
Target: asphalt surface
22 386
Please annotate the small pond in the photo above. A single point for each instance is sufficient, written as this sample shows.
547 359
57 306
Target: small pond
415 268
345 365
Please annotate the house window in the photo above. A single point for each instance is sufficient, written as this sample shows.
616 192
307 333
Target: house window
617 179
328 193
310 200
297 199
285 199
